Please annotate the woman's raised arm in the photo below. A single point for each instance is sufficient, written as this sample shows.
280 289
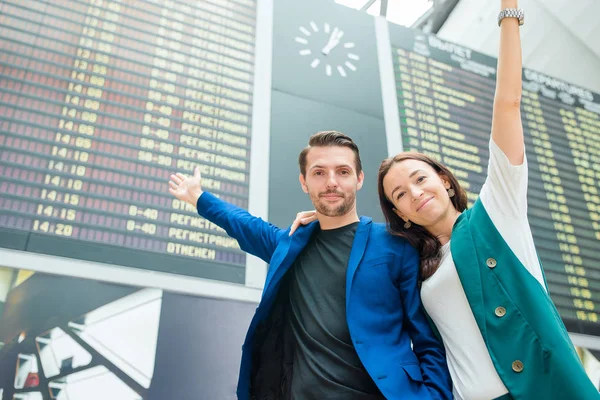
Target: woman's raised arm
507 128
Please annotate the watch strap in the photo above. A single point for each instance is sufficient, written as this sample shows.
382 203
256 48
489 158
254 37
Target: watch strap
511 13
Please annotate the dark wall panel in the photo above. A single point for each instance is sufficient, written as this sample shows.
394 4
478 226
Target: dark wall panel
199 348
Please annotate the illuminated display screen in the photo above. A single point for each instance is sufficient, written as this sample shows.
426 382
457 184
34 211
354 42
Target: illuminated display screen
445 94
100 102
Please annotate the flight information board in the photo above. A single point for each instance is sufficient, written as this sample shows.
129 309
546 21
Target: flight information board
445 94
100 101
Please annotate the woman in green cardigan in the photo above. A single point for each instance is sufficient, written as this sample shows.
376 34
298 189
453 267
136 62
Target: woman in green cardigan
482 282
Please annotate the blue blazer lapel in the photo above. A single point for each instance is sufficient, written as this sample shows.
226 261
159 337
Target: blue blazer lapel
287 250
358 249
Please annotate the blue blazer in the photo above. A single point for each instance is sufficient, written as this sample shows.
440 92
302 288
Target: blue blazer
383 307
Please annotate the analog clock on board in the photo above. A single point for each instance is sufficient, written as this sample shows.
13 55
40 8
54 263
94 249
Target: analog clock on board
324 48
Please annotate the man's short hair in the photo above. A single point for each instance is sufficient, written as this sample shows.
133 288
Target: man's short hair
326 139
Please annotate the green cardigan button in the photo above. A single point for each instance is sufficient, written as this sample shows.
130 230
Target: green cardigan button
517 366
491 262
500 311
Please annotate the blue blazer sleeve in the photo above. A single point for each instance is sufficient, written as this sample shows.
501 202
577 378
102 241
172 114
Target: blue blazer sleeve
426 346
254 235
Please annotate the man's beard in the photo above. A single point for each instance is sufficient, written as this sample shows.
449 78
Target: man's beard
336 211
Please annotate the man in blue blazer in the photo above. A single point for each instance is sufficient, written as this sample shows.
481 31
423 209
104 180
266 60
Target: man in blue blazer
340 306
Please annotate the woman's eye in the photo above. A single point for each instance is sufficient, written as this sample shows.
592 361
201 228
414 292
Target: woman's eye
421 179
400 195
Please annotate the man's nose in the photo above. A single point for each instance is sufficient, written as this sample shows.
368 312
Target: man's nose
331 180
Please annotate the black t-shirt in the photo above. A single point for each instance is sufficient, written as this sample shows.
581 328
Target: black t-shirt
326 365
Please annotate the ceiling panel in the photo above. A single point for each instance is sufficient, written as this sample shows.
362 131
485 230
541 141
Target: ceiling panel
560 38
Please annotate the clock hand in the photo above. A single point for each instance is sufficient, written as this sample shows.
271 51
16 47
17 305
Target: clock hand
333 41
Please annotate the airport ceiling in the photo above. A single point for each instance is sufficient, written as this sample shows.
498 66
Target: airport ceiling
560 38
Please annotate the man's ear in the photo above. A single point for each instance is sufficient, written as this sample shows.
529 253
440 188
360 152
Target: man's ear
303 183
361 179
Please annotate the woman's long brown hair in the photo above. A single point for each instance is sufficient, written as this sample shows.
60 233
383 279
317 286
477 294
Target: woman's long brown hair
424 242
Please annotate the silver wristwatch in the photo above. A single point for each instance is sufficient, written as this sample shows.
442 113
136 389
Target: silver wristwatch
512 13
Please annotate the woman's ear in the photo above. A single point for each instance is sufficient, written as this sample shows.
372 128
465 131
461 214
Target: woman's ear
446 182
398 213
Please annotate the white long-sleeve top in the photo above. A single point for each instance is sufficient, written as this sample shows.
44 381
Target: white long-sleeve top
504 197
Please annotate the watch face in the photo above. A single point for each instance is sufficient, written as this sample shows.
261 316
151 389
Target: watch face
324 48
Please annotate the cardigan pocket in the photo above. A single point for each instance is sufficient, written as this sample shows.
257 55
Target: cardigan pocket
547 355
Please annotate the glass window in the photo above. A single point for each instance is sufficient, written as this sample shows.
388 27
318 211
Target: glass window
27 374
126 333
93 384
60 353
